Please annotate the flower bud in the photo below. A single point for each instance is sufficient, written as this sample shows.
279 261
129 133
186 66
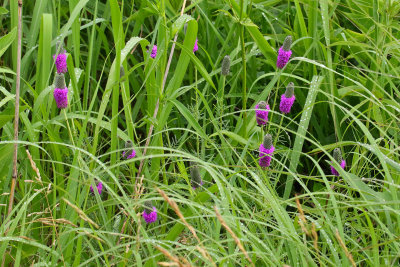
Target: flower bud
287 43
267 141
289 90
226 64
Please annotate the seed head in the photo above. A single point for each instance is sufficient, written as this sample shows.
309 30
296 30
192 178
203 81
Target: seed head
287 43
337 155
289 90
59 81
226 65
267 143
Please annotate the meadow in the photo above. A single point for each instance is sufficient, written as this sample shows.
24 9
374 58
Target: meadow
200 133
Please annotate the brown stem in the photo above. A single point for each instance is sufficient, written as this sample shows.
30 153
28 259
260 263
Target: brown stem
16 117
158 100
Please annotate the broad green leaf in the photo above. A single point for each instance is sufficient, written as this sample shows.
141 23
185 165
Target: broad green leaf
6 40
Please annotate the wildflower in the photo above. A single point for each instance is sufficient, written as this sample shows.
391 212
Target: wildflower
226 65
284 53
153 51
337 155
99 188
60 91
266 148
129 150
61 59
195 176
150 212
287 99
262 109
196 46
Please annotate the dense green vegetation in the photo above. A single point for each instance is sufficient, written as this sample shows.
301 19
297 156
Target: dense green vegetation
181 113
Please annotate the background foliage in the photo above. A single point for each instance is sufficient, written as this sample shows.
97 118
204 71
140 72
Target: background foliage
346 75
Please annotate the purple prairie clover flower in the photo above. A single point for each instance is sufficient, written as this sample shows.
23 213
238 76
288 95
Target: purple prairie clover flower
266 149
196 46
153 51
149 213
99 188
262 109
195 178
129 152
284 53
287 99
60 91
60 59
337 155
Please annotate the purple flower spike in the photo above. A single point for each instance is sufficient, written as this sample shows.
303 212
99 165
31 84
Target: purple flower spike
130 152
287 99
149 213
337 155
99 188
196 46
334 171
266 149
60 91
61 62
284 53
154 51
262 110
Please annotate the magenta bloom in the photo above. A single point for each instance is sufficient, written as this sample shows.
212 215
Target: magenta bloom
265 160
131 154
154 51
262 110
61 97
337 155
284 53
334 171
266 149
60 91
61 62
286 103
196 46
149 213
99 188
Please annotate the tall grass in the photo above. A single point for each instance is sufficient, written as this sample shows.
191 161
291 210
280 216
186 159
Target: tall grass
345 67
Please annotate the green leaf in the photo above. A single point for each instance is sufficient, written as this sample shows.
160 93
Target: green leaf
189 117
3 11
302 131
178 24
6 40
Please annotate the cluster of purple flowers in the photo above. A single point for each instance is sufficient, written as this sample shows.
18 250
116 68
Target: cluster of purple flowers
262 109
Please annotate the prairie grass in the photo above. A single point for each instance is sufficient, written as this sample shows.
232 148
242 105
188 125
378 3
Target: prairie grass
178 109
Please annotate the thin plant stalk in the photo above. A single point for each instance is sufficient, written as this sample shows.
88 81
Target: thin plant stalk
158 100
16 117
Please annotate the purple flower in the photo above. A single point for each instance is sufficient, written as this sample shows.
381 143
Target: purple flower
287 99
266 149
61 62
284 53
262 110
196 46
149 213
60 91
129 152
153 51
99 188
337 155
195 176
334 171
